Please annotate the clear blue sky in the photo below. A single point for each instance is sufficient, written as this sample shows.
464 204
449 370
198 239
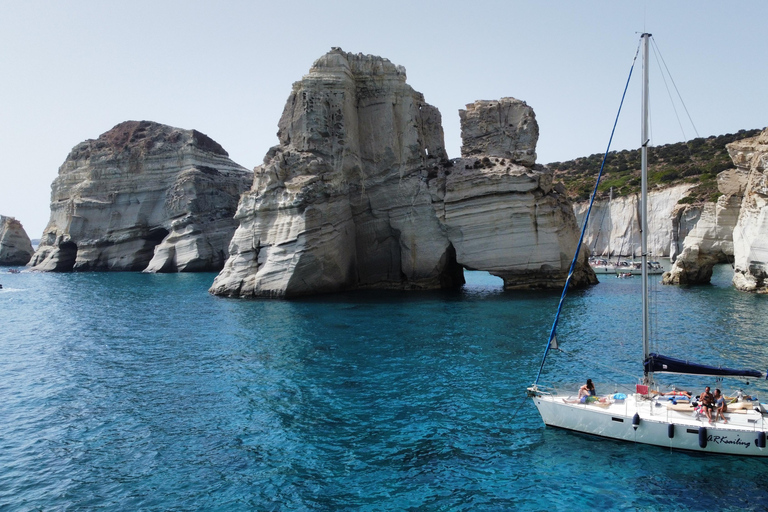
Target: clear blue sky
72 70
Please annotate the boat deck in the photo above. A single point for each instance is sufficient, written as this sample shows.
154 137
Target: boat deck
658 421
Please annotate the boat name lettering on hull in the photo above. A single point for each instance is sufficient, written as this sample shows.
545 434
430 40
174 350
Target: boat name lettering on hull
725 440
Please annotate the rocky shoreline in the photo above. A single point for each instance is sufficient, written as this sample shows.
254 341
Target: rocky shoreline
697 236
359 193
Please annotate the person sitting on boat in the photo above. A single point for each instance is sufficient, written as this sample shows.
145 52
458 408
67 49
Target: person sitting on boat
707 403
678 393
586 390
720 406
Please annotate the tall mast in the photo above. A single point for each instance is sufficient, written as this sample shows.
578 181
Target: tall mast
644 203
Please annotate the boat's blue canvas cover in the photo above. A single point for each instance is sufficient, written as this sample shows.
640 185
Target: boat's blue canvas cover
664 364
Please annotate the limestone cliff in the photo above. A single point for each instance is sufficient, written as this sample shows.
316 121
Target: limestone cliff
359 193
143 196
15 245
705 232
750 237
614 226
502 213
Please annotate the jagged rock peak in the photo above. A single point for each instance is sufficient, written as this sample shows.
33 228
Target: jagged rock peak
15 245
146 136
504 128
143 196
357 64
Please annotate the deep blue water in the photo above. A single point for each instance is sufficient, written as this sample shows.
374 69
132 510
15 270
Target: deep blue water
129 391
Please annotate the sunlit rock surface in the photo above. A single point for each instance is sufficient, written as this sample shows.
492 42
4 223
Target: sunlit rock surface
15 245
502 213
706 232
359 194
750 237
614 226
143 196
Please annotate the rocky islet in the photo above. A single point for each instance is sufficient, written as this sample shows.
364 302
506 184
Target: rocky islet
360 193
15 245
142 196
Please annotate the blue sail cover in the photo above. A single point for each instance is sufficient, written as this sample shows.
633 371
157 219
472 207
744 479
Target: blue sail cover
664 364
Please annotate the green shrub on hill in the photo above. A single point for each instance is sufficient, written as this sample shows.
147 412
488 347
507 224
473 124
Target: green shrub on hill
696 161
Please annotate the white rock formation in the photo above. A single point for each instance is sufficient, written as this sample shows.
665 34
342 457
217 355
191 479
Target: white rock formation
750 237
359 194
15 245
509 220
706 232
502 213
342 201
143 196
614 226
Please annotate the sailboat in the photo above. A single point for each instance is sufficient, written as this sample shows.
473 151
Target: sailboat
643 414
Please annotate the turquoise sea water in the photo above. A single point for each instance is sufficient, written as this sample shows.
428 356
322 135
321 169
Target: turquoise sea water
128 391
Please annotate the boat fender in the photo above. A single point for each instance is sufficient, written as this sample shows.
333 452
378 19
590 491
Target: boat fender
703 437
760 441
635 421
671 430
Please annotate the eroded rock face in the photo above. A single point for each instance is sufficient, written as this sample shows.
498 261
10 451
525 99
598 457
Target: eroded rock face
705 232
509 220
143 196
614 226
750 237
360 194
343 202
506 128
15 245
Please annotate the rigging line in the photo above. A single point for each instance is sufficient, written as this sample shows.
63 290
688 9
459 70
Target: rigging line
661 58
586 220
519 406
669 93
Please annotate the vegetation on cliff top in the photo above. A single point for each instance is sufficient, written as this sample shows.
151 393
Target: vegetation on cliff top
696 161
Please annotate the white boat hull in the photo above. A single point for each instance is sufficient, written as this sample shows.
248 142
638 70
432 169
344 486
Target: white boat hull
615 420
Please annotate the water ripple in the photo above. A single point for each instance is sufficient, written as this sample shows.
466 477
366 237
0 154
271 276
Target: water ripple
143 392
